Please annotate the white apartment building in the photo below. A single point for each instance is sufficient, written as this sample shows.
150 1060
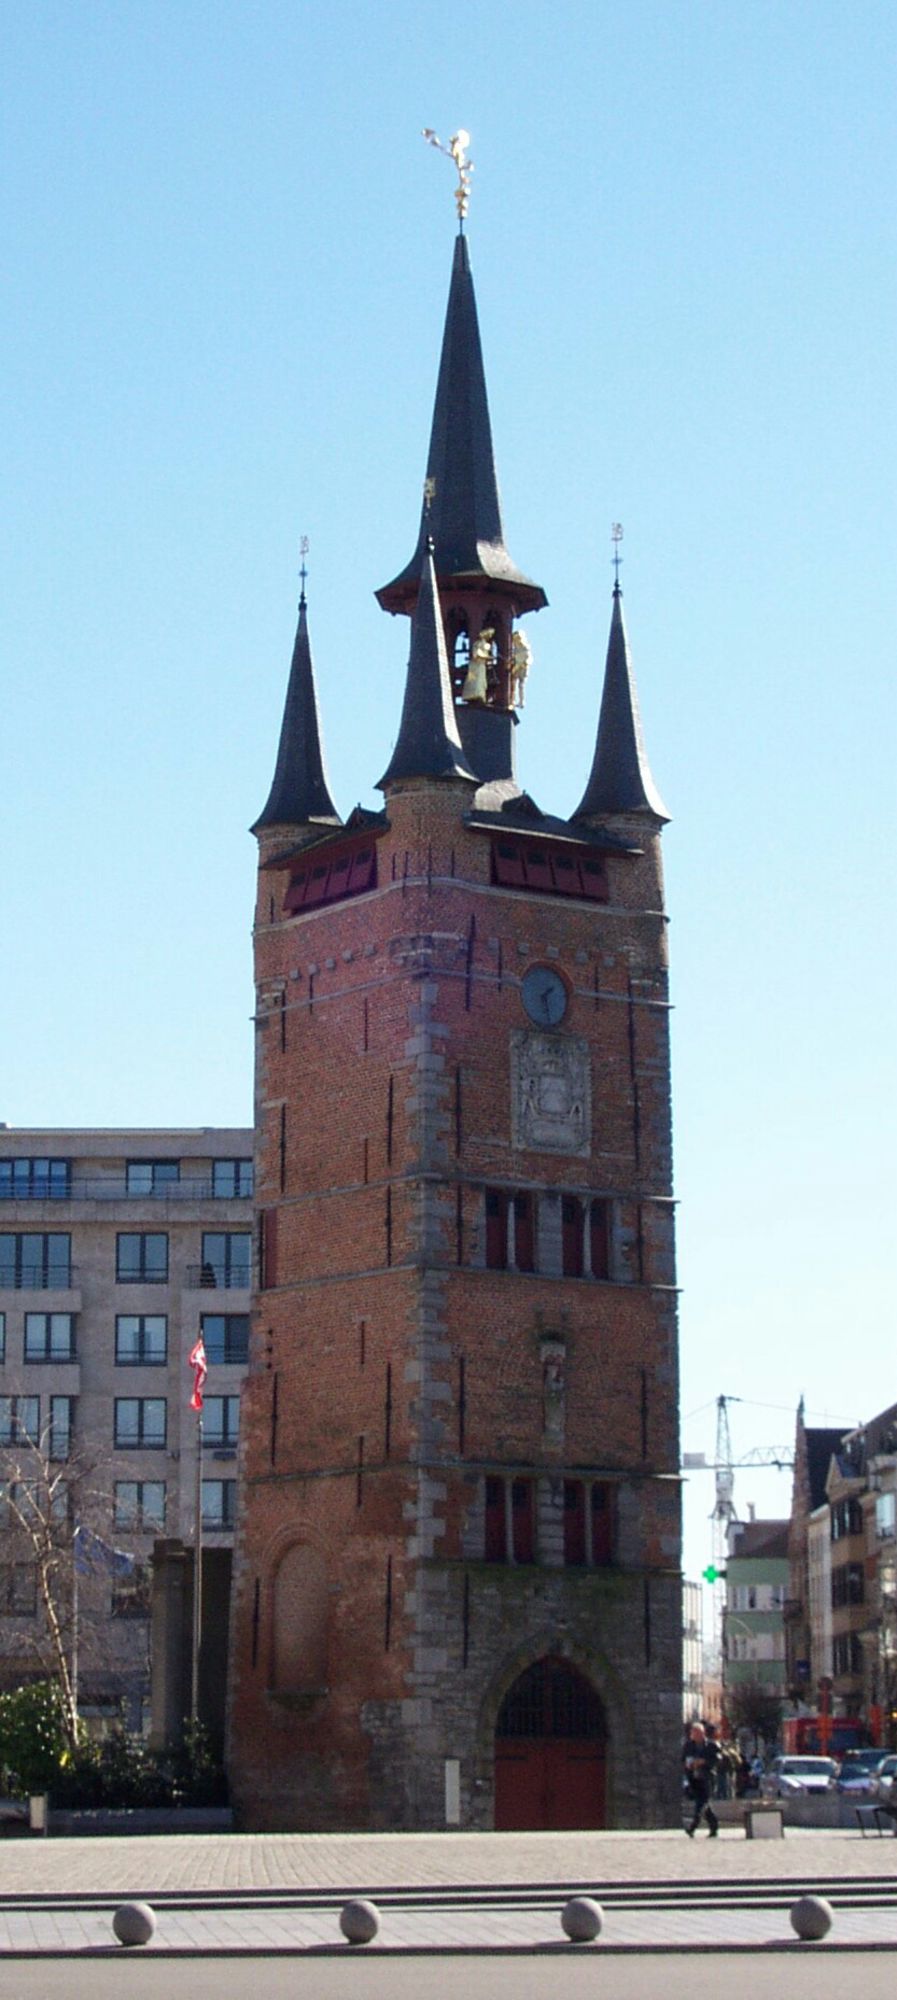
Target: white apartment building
117 1249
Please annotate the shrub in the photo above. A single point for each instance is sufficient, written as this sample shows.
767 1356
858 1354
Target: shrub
33 1738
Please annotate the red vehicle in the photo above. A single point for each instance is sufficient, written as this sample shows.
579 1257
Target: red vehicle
822 1735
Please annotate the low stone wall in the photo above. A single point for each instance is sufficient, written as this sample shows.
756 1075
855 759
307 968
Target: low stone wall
145 1819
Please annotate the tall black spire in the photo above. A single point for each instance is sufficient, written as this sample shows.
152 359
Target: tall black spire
620 780
428 744
462 511
299 792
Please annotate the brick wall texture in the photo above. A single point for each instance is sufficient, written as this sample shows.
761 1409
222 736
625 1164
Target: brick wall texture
394 1372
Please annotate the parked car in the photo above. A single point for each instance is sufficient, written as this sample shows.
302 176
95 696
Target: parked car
787 1777
859 1772
884 1781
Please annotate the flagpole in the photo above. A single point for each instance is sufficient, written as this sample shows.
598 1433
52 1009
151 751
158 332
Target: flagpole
197 1577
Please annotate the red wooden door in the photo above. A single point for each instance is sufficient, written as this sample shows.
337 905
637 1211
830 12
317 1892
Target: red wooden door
550 1752
556 1786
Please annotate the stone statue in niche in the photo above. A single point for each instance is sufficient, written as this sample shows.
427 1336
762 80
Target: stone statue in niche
551 1098
554 1360
521 661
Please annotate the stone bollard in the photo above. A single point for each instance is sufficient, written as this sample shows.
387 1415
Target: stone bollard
811 1917
582 1919
134 1923
359 1921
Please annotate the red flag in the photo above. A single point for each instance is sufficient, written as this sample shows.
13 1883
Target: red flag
197 1361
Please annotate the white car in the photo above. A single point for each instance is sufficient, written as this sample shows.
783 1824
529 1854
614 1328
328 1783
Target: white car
884 1781
788 1777
859 1772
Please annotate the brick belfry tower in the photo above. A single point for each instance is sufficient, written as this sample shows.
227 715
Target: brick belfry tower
457 1592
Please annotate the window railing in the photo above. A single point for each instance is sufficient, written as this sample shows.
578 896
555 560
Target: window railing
109 1187
220 1277
63 1280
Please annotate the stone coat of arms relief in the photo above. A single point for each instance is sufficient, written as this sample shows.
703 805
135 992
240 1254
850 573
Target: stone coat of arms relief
551 1093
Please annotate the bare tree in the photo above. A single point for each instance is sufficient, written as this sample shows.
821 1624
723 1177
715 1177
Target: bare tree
752 1706
49 1500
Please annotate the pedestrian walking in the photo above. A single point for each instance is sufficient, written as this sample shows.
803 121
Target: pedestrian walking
700 1758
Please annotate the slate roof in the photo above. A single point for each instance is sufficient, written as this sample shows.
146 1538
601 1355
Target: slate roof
428 744
768 1539
299 792
464 516
620 779
821 1447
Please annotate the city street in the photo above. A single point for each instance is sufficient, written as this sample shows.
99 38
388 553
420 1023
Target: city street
801 1972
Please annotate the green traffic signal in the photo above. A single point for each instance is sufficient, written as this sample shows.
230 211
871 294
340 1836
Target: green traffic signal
711 1574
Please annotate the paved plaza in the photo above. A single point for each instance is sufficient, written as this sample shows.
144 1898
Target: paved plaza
448 1894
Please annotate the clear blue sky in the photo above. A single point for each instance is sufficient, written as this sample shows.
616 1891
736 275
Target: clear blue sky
228 252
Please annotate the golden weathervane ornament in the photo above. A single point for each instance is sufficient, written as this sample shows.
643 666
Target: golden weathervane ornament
456 151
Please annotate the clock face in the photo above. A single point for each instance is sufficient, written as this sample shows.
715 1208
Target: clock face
544 995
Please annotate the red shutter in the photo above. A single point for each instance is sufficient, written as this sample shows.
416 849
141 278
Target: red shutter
340 870
523 1521
507 864
363 871
594 880
574 1521
295 896
538 869
317 884
566 874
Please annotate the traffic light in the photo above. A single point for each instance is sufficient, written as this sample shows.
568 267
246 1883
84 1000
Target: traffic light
711 1574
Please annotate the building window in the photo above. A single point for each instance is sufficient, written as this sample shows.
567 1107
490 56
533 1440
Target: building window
496 1229
18 1590
885 1515
39 1262
226 1338
2 1337
140 1423
599 1238
524 1233
232 1179
218 1503
523 1520
141 1340
571 1236
141 1259
35 1180
602 1509
131 1594
150 1177
554 870
227 1259
140 1505
495 1547
348 872
221 1422
59 1438
49 1337
846 1519
847 1654
847 1585
19 1420
574 1522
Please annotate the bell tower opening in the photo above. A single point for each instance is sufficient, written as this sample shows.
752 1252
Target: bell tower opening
550 1752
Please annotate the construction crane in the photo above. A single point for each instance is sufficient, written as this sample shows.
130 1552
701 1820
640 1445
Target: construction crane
779 1457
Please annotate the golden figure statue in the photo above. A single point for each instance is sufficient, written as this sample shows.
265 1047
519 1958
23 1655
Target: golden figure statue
456 150
521 661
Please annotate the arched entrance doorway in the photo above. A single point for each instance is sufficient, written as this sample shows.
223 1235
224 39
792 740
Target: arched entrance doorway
550 1751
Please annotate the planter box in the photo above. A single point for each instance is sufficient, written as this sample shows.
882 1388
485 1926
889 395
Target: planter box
145 1819
764 1822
